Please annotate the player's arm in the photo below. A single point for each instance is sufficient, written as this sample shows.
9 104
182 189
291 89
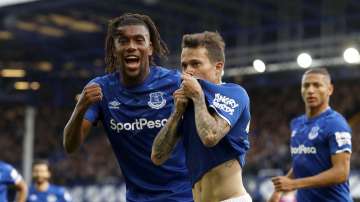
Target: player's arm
210 127
168 136
21 190
338 173
77 128
15 180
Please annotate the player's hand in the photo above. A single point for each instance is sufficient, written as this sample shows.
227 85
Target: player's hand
191 87
180 99
283 184
91 94
275 197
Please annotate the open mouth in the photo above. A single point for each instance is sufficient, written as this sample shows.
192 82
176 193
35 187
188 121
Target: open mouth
132 60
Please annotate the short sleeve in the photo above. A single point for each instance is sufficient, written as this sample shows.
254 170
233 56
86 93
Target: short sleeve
339 136
340 141
92 114
12 176
228 100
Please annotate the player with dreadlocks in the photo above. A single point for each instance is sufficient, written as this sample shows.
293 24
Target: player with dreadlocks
133 101
159 46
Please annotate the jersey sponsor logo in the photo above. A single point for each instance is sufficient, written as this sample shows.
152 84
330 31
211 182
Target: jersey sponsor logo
343 138
224 103
314 132
114 104
157 100
302 149
138 124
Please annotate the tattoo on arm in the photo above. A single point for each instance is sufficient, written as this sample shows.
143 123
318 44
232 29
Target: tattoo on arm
166 140
210 127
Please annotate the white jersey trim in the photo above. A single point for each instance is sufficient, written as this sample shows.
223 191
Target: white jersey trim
222 116
343 150
15 176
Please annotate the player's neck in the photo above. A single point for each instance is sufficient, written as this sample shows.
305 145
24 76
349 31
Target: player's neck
42 186
216 81
134 81
316 111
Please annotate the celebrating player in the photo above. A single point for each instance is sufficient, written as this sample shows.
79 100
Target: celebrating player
213 119
133 101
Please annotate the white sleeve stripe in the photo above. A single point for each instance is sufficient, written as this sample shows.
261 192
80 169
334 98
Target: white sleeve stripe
343 150
15 176
223 117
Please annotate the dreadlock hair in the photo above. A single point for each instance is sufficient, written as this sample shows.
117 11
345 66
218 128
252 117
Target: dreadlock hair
212 41
160 48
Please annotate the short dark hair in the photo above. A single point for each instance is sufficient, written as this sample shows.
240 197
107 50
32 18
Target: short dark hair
159 46
320 70
41 161
212 41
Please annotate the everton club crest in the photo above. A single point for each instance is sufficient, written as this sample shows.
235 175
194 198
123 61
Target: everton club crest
314 132
157 100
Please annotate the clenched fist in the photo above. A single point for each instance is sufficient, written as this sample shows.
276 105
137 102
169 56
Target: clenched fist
91 94
191 87
180 99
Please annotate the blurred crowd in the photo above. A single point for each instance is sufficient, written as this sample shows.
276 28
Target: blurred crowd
272 109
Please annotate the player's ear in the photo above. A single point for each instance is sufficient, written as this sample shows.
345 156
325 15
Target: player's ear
219 67
151 49
331 89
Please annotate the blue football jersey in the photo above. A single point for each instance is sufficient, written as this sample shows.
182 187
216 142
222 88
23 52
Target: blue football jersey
8 177
231 102
132 117
52 194
313 141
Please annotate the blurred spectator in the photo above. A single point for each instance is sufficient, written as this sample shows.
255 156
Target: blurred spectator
41 189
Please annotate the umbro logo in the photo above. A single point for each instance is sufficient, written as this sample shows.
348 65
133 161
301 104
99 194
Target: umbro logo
114 104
